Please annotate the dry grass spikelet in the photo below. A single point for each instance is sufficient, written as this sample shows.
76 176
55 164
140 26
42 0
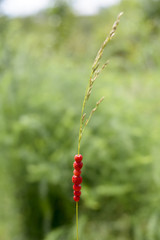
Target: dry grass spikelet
96 70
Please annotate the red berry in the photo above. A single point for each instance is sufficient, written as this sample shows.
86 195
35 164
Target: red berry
77 172
76 187
78 158
78 165
77 193
76 198
77 179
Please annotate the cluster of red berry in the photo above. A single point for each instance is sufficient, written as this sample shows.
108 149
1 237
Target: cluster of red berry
77 179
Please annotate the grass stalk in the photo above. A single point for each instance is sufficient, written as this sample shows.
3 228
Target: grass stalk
94 74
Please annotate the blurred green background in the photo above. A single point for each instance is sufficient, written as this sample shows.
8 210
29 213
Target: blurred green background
45 63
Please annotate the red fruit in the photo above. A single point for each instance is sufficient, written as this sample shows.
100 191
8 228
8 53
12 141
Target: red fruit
77 172
76 198
78 158
76 187
78 165
77 193
77 179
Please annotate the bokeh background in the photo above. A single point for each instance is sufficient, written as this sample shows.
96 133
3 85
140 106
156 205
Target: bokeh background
45 63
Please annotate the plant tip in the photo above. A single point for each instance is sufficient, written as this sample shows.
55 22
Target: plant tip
121 13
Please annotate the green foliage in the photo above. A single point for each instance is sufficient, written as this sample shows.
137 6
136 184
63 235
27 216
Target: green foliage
61 19
41 91
152 9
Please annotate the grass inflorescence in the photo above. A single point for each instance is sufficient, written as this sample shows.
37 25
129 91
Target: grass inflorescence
96 70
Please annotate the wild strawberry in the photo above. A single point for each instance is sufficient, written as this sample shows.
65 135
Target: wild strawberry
78 165
76 172
78 157
77 179
76 187
76 198
77 193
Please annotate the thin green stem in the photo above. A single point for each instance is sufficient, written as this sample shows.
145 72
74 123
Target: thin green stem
77 218
82 112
